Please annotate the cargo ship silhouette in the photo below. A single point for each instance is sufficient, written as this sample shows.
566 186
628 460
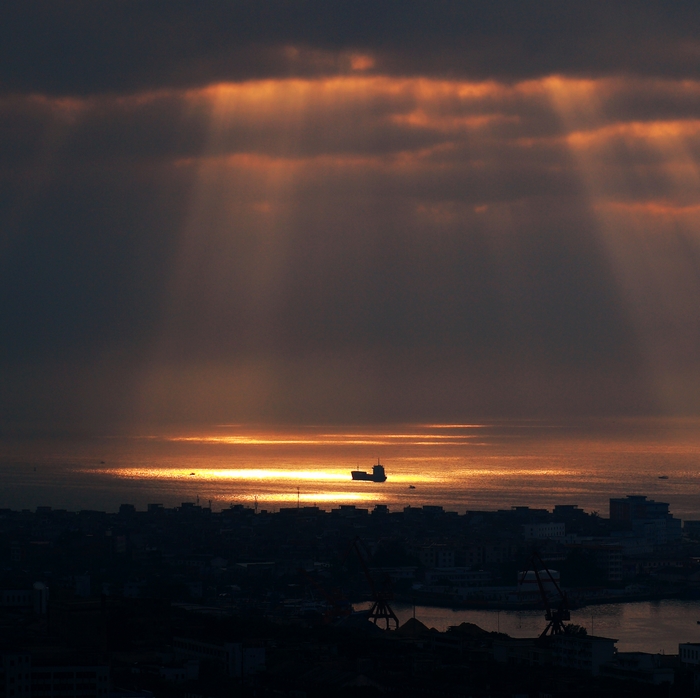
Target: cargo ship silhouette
377 474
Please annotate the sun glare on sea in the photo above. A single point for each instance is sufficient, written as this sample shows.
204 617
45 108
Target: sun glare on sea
412 437
250 474
231 474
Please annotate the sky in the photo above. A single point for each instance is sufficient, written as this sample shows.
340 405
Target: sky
347 212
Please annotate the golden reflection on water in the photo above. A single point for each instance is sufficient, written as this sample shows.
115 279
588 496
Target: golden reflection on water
454 426
342 438
513 472
273 474
435 464
311 498
328 439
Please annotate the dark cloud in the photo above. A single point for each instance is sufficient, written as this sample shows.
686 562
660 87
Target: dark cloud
83 46
82 266
370 246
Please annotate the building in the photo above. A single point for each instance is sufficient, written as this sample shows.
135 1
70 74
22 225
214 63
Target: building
437 556
582 652
606 556
69 681
20 675
521 651
226 655
647 519
637 506
544 531
689 653
234 659
458 576
689 656
394 573
641 666
16 598
35 598
15 674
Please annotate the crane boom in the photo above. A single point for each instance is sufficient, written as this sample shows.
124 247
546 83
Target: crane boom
380 610
555 617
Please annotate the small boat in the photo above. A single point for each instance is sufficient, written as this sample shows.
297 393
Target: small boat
377 474
411 487
193 473
663 477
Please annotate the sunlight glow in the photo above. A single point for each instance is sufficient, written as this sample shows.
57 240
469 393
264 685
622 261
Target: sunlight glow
649 208
635 131
262 474
643 183
312 498
329 439
242 474
285 154
455 426
298 92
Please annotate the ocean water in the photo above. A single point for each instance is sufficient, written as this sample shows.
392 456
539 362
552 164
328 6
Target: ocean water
480 466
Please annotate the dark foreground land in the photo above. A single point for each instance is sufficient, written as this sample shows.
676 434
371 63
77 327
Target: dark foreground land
135 645
240 557
191 602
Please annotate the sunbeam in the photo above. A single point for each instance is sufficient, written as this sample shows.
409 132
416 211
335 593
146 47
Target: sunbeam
643 182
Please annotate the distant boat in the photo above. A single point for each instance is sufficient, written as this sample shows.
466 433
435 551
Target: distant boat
411 487
663 477
377 474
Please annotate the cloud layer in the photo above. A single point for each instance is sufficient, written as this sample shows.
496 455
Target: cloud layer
308 212
84 47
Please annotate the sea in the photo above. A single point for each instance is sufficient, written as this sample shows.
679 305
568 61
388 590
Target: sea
480 466
471 466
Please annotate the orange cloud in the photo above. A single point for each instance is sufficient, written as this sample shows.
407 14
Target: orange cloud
360 62
658 131
649 208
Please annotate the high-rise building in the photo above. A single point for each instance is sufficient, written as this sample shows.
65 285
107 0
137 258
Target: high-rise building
647 518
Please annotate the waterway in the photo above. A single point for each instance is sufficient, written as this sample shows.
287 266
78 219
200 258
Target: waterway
646 626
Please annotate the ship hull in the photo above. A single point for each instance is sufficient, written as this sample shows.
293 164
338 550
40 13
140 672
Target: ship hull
367 477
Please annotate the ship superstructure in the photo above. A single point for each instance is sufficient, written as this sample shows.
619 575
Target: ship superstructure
377 474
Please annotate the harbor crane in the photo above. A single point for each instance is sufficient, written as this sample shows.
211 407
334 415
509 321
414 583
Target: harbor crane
381 609
555 617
